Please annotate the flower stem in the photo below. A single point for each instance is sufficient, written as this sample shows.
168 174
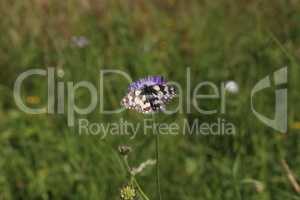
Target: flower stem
139 188
156 132
133 179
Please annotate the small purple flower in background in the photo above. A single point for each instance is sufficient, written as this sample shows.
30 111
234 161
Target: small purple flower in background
80 41
148 95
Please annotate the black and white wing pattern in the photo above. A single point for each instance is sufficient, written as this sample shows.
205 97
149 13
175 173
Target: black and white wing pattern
149 99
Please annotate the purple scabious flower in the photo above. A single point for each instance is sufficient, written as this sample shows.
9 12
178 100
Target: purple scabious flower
148 81
148 95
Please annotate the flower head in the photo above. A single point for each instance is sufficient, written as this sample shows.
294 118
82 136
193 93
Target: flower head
148 81
148 95
232 87
128 192
80 41
124 150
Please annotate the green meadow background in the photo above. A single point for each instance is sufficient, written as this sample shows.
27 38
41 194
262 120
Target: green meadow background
42 158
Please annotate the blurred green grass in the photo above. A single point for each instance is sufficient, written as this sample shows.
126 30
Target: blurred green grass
42 158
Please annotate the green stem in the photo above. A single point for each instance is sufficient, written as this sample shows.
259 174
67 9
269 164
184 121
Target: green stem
134 180
156 132
139 188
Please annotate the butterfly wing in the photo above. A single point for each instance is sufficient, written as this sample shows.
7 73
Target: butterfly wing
150 99
137 101
165 93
